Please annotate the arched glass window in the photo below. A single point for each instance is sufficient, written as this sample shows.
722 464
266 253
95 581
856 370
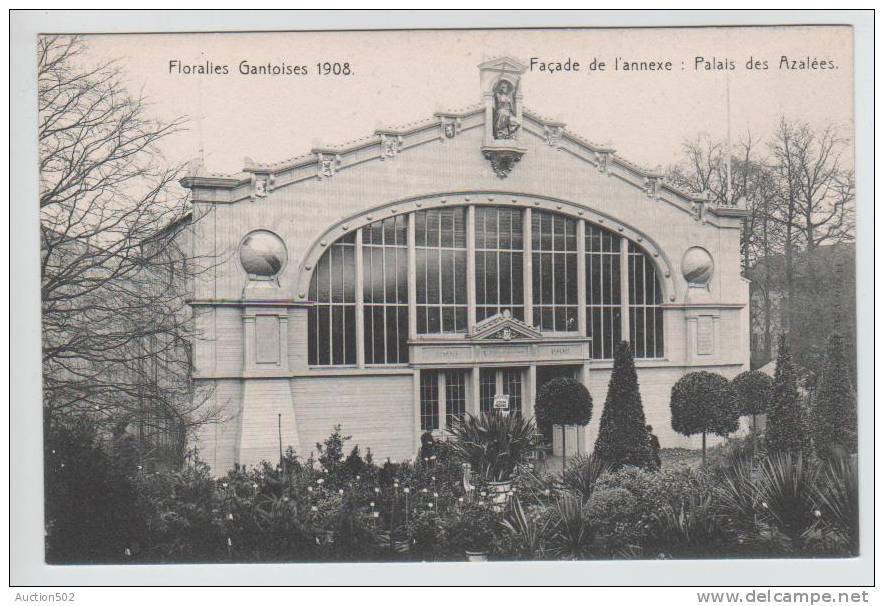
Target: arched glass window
441 270
554 261
622 297
385 291
332 318
499 260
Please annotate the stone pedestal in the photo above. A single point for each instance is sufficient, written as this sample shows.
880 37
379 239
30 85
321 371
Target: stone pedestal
268 408
575 440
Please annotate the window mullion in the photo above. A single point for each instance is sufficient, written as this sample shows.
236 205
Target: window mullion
471 267
441 377
624 290
527 268
412 280
360 309
581 278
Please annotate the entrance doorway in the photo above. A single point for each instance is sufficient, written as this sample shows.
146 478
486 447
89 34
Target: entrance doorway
500 381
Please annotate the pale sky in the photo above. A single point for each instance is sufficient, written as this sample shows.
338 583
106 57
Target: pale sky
401 77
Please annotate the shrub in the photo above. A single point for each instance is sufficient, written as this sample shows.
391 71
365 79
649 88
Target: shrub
632 522
787 491
753 390
692 528
573 531
582 473
355 537
623 435
426 536
703 402
527 530
615 511
492 443
834 405
471 528
184 515
91 504
837 493
785 430
735 492
283 535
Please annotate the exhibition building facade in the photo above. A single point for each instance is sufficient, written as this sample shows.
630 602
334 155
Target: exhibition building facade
445 267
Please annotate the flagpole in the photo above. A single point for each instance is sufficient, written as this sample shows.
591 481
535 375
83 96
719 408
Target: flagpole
727 186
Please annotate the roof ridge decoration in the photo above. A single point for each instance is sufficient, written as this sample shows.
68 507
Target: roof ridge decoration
504 327
505 119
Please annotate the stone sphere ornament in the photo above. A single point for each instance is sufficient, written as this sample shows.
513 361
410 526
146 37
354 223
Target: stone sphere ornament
262 254
697 266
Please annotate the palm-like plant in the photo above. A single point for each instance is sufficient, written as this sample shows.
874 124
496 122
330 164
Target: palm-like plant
837 492
492 443
582 473
787 491
735 492
692 527
573 531
527 533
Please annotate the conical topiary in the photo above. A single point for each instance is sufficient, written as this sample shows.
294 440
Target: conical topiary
785 426
623 435
834 405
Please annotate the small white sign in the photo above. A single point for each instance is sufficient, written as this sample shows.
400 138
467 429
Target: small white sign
501 402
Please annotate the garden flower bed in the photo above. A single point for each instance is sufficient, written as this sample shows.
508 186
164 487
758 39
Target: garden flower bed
336 508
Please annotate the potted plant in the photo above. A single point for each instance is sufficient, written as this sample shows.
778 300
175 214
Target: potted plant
471 532
563 402
494 444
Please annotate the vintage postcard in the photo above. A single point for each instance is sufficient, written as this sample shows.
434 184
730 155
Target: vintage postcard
451 295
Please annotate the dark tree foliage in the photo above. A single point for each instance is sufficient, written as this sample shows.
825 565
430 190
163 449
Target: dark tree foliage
785 424
623 435
834 405
703 403
563 401
92 513
753 390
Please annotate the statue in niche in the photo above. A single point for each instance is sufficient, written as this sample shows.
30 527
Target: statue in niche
505 122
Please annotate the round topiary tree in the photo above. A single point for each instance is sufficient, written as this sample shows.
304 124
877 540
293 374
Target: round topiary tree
753 390
563 401
703 402
623 437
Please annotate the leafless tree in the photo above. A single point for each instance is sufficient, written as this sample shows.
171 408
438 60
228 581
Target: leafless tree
115 258
815 202
704 169
799 198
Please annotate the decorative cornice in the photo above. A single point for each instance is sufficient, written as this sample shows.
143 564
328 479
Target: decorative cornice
448 124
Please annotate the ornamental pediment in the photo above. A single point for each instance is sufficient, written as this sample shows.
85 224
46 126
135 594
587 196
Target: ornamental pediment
504 327
507 64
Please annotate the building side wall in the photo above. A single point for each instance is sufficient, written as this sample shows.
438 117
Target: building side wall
376 411
655 386
217 443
